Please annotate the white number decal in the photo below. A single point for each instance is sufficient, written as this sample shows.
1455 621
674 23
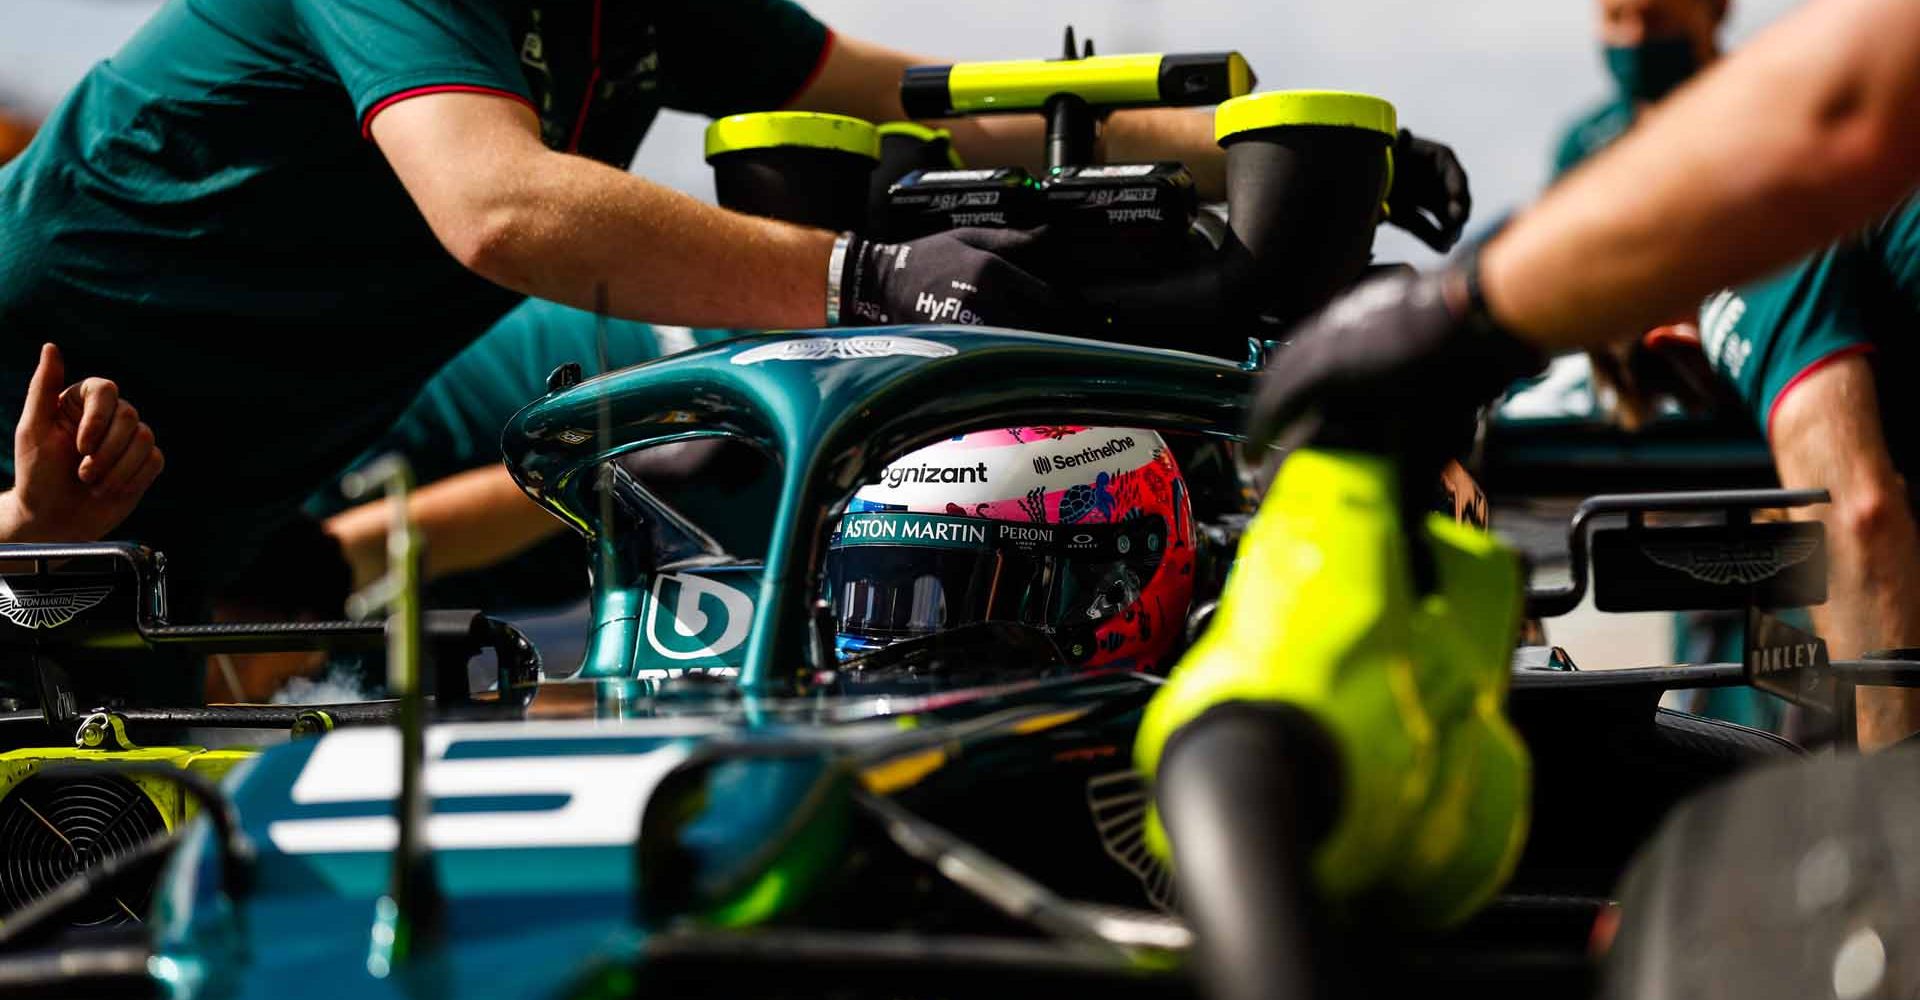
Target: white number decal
604 792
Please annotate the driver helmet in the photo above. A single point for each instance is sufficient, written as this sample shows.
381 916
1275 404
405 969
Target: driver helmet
1083 532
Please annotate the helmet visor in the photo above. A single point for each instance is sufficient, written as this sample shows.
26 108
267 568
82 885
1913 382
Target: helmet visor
895 575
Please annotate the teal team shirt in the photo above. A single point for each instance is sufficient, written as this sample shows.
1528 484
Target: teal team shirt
1590 133
1764 336
1858 296
204 220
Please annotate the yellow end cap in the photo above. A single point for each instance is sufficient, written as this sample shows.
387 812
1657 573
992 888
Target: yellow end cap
807 129
1279 108
915 130
1239 76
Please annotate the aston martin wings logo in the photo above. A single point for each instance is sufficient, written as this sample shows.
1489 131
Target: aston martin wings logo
49 608
1118 803
844 348
1740 562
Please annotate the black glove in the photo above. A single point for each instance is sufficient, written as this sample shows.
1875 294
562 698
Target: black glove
1398 366
1429 197
966 276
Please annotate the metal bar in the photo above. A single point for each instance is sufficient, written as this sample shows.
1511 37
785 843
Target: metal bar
1871 673
407 919
1020 897
1549 602
1846 711
77 972
840 959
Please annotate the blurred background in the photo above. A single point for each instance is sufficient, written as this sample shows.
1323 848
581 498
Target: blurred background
1496 79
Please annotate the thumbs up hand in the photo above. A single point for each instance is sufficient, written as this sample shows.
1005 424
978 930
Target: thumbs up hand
82 459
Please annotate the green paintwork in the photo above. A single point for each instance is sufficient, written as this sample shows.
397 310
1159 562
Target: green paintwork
832 422
757 814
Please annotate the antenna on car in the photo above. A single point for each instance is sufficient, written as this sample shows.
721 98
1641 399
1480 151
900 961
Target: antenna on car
407 918
1075 52
604 407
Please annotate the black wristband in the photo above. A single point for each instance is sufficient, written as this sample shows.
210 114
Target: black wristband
1508 353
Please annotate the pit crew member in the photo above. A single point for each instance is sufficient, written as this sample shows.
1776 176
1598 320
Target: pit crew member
1794 141
1797 349
277 219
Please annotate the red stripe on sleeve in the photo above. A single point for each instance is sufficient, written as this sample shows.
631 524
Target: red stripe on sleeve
1851 350
819 67
593 84
366 123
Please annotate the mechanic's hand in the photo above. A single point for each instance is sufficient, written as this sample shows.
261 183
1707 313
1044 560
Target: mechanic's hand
968 276
1633 377
82 459
1398 366
1429 198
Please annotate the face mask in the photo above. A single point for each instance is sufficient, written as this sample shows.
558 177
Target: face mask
1651 70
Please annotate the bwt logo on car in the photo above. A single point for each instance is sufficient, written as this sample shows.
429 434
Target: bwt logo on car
1044 464
896 476
703 618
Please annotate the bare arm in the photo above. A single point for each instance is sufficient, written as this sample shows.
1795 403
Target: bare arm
471 520
1826 434
863 79
1801 136
555 226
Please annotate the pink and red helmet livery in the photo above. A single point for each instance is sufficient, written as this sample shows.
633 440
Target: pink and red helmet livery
1083 532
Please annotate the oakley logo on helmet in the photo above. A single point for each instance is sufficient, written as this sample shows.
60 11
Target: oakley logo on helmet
47 608
1745 562
709 619
844 348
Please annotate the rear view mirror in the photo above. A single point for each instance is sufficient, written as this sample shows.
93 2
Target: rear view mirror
1734 564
